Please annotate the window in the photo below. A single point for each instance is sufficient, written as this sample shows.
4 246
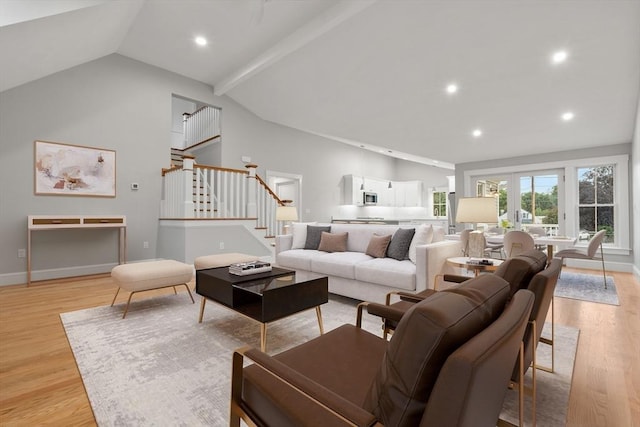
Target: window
439 203
596 208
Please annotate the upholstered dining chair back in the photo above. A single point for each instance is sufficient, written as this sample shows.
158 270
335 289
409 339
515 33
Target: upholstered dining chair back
516 242
595 243
537 231
477 244
464 241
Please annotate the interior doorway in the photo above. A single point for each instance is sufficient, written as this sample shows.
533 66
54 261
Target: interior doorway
287 186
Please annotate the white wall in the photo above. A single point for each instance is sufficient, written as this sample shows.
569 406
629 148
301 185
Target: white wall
635 188
117 103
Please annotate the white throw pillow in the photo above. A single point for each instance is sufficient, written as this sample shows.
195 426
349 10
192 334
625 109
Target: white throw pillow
423 236
299 231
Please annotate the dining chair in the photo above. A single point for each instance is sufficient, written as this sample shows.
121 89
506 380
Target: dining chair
464 241
538 232
490 247
589 253
516 242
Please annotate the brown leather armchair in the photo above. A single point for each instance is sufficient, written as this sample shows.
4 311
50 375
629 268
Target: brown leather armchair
518 271
448 363
542 285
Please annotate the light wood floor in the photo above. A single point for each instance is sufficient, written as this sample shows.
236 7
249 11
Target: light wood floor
40 383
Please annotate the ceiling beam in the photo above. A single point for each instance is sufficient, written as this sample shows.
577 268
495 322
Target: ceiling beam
313 29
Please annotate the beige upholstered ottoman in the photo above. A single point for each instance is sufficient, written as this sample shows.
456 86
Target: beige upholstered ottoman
222 260
144 276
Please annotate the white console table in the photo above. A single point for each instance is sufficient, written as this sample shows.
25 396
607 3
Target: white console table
60 222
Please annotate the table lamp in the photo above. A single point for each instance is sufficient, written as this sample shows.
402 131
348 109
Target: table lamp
474 210
286 214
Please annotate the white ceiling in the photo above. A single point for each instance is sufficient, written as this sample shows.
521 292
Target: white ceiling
369 72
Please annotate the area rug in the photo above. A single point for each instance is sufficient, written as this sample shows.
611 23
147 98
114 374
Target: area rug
586 287
159 366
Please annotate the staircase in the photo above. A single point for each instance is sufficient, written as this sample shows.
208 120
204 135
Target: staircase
201 192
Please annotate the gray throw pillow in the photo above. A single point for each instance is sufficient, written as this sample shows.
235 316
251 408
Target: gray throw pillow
314 234
400 242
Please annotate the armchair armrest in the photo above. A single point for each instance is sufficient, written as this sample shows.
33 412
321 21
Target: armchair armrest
385 311
324 398
406 296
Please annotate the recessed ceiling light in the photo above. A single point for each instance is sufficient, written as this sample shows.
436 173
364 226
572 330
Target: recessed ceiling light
559 57
477 133
568 116
201 41
452 88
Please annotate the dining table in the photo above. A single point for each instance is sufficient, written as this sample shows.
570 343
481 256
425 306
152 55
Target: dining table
548 241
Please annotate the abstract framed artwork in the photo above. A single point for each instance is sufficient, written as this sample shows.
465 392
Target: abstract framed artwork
74 170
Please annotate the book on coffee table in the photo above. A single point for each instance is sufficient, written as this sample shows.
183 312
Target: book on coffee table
245 268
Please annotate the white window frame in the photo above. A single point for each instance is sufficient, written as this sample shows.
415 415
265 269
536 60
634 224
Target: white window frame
432 201
569 208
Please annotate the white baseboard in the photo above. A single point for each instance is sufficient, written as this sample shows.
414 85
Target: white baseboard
20 278
597 265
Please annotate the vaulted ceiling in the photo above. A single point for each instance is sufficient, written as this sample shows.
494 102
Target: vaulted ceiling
370 73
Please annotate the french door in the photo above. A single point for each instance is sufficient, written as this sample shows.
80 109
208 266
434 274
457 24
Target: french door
526 199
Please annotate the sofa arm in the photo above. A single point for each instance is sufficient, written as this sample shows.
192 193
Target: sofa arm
283 242
306 389
431 260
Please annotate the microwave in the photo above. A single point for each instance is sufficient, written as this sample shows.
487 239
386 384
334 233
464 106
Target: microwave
369 198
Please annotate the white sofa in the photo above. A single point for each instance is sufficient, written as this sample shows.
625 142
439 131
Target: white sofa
357 275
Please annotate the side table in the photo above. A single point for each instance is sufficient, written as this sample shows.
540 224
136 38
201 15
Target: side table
463 261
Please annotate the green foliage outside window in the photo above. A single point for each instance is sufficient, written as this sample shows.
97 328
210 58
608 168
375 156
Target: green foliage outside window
439 203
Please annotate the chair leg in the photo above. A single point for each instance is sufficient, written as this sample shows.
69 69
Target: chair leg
126 309
550 341
115 296
189 291
604 273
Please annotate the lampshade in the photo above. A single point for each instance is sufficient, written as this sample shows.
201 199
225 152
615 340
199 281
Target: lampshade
286 213
477 209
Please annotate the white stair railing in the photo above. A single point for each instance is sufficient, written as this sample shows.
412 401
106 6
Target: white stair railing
200 191
201 126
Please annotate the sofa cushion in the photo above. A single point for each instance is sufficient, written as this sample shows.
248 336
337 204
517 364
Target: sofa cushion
438 234
377 247
342 264
423 236
388 272
400 242
299 232
333 242
360 234
427 334
314 233
298 259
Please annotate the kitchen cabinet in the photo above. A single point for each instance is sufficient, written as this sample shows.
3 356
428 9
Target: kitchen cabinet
401 193
351 191
408 193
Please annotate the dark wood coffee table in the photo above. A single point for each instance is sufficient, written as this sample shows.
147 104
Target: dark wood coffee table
264 297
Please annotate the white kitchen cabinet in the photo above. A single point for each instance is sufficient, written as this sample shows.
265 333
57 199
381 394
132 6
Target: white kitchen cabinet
408 193
352 192
401 193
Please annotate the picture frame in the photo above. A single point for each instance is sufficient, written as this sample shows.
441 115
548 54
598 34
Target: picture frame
62 169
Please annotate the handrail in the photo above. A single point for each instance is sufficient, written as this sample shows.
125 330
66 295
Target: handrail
199 109
269 190
196 144
218 168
